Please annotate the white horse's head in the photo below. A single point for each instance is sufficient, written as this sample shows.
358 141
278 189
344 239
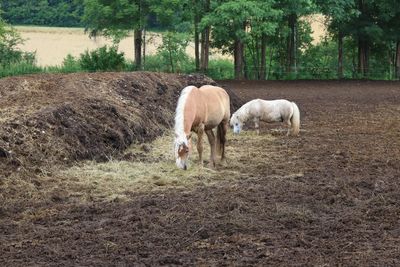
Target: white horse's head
182 149
236 123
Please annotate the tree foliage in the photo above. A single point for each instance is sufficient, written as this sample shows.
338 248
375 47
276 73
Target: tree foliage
65 13
266 38
9 51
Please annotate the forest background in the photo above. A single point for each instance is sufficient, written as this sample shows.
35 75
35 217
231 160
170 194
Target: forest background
260 39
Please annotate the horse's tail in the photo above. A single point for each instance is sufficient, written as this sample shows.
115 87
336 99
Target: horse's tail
221 138
295 119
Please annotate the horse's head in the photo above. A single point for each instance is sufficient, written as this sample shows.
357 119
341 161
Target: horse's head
182 149
236 123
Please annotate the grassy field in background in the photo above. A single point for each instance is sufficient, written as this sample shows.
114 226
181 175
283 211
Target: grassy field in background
53 44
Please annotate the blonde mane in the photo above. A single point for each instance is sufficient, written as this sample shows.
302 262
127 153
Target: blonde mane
200 111
179 112
243 111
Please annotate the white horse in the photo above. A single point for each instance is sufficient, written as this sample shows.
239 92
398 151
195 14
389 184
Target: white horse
280 110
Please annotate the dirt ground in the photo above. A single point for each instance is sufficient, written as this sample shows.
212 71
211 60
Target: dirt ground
328 197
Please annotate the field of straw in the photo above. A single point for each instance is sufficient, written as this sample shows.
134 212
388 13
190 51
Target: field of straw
53 44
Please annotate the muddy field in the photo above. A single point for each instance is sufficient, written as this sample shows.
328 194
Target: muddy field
328 197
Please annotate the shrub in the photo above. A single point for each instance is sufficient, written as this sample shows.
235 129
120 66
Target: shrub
220 69
70 64
102 59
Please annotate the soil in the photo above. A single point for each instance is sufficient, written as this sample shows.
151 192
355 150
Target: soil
328 197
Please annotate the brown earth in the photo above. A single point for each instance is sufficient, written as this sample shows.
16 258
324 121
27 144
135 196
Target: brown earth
328 197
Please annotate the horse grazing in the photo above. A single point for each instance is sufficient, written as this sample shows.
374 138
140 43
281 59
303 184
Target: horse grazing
200 110
268 111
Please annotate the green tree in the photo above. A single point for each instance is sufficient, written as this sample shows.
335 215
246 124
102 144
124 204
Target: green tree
42 12
389 21
234 23
172 50
338 14
185 15
9 41
292 11
374 29
114 18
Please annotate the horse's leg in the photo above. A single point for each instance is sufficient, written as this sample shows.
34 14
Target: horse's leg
289 126
200 133
257 125
223 134
211 140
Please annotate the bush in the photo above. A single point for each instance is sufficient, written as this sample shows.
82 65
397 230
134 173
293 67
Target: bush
102 59
9 51
70 64
157 63
172 52
154 63
220 69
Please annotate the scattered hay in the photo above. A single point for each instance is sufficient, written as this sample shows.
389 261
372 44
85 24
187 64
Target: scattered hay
151 166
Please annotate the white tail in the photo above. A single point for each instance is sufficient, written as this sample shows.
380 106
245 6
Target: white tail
295 119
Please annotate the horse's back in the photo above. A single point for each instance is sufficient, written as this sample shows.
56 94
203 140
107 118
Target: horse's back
215 96
217 101
269 110
212 91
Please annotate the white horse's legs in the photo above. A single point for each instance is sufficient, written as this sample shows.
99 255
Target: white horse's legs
257 125
211 140
289 126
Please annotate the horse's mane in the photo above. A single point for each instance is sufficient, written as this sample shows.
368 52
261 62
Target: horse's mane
243 111
179 113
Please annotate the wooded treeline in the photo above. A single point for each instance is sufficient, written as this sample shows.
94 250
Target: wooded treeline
265 37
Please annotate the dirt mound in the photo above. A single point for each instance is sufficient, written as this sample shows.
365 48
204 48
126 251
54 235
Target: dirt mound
51 119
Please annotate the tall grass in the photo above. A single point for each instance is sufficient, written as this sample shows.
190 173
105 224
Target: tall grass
19 68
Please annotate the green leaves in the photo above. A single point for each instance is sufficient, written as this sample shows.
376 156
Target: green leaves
111 17
241 19
103 59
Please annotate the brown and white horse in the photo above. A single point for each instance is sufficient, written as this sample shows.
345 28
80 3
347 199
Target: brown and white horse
200 110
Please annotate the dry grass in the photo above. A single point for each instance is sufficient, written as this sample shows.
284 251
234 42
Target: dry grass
152 169
156 170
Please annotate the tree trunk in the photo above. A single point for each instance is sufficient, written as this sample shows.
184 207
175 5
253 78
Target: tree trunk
292 46
205 48
144 49
340 55
196 36
196 45
270 63
363 56
397 63
238 59
205 42
137 35
363 46
263 57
